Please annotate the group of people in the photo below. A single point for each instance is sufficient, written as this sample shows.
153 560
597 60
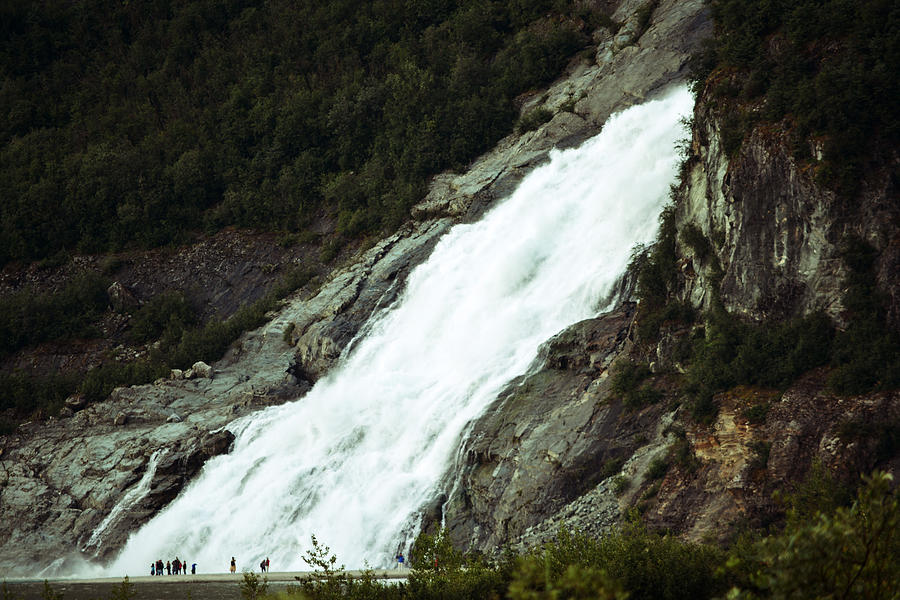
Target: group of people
175 567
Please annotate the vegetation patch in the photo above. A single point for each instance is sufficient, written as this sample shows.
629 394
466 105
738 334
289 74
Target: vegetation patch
28 319
824 69
866 354
127 125
533 119
628 383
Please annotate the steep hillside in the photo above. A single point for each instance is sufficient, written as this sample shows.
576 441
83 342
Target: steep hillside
754 349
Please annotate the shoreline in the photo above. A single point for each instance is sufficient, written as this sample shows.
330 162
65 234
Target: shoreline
273 577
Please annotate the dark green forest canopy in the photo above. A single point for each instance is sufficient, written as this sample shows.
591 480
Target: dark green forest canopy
826 69
138 122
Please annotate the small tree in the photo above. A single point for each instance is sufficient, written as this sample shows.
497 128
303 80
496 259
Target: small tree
327 581
124 591
252 588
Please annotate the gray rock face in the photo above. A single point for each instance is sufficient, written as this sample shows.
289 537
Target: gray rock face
774 231
545 441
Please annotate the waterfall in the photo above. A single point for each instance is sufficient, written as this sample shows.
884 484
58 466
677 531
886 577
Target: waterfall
129 500
355 458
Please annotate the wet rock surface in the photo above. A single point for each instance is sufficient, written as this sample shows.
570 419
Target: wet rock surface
546 439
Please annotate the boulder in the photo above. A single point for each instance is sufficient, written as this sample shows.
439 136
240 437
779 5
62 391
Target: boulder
201 369
120 298
76 402
120 419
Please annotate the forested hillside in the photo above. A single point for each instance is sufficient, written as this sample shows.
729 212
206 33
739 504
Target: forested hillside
138 123
823 71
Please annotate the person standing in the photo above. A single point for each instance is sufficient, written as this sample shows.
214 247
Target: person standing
193 568
152 568
168 567
233 567
267 564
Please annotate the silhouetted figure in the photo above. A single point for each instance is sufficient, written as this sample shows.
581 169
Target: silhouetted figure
233 567
193 568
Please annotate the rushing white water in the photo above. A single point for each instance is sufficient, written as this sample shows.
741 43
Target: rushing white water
353 460
130 499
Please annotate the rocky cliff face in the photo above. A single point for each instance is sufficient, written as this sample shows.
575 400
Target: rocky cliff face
773 230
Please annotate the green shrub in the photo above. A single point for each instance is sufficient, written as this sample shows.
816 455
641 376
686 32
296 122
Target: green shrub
760 458
530 582
627 382
658 468
694 238
867 353
533 119
27 318
851 553
441 571
756 414
611 467
620 484
732 353
251 586
643 564
170 313
100 381
819 492
124 591
25 393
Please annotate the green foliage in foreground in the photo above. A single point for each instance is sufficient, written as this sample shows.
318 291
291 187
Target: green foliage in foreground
852 553
839 552
136 123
